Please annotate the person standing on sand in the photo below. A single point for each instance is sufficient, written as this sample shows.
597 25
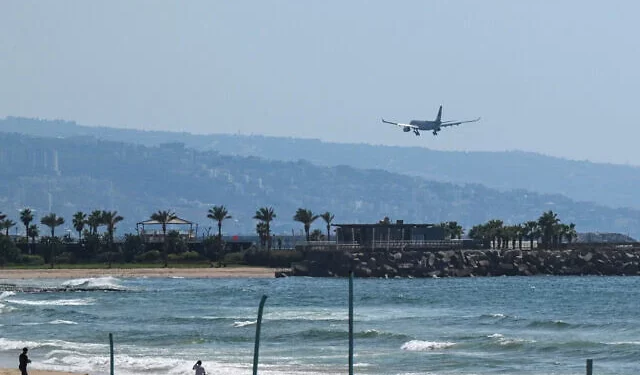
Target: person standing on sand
199 369
24 360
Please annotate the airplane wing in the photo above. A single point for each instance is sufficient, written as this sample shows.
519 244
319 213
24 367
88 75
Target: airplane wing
451 123
400 125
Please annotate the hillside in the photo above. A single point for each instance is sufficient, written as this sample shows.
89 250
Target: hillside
64 175
605 184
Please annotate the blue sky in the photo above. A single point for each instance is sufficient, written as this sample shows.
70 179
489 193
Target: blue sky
559 78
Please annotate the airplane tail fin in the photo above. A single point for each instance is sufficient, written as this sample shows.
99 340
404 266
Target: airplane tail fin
439 117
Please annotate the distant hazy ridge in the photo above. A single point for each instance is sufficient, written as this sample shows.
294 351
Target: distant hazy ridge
80 172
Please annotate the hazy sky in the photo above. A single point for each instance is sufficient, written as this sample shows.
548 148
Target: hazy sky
556 77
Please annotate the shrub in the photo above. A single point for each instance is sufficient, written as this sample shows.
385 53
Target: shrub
32 260
187 256
149 256
234 258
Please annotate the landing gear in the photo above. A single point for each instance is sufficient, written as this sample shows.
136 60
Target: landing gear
435 132
416 132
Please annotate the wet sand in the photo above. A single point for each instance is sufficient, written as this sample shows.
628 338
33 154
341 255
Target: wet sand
5 371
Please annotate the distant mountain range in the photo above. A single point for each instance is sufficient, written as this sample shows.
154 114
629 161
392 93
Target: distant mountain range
610 185
65 172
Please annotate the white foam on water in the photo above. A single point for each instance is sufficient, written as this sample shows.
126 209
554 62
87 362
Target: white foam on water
6 294
57 302
60 321
8 344
623 343
509 341
306 315
245 323
421 346
106 282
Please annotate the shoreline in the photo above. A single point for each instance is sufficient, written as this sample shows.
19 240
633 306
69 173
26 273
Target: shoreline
71 273
6 371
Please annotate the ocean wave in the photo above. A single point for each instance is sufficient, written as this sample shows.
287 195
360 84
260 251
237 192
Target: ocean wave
6 294
422 346
245 323
325 334
94 283
60 321
9 344
558 324
57 302
510 342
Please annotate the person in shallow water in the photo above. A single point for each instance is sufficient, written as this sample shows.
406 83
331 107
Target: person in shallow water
199 369
24 360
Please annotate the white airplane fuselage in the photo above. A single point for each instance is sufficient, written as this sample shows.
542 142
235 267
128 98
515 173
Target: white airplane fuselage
425 125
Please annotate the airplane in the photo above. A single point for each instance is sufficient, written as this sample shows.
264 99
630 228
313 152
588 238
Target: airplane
435 126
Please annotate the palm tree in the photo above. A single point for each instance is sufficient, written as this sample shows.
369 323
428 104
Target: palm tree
266 215
26 217
111 218
478 232
494 229
7 224
261 229
455 230
33 232
219 214
94 221
2 216
328 218
306 217
530 231
79 221
164 217
52 221
547 223
571 233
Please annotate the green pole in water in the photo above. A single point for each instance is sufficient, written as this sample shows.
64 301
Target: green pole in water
589 366
111 351
350 322
257 345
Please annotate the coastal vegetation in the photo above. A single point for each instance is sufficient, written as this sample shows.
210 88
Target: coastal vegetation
92 245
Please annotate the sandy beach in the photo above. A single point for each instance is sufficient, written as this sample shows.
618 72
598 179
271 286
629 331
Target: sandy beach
5 371
240 272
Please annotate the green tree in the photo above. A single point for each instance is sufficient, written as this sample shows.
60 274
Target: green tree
478 232
7 224
306 217
218 214
164 217
494 232
316 235
79 221
547 223
262 230
94 221
26 217
571 233
110 218
33 232
328 218
531 232
266 215
52 221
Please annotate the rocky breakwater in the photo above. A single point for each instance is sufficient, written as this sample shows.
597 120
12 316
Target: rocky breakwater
465 263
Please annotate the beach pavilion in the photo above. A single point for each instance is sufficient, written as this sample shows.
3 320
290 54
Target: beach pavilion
156 234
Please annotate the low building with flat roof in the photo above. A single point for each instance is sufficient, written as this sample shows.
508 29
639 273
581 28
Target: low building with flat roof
386 232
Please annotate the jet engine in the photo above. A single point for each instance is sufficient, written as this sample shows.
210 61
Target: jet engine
406 129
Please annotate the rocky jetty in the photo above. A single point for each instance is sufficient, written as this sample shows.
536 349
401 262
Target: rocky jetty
610 260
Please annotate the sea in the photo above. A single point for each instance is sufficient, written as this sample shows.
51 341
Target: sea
500 325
